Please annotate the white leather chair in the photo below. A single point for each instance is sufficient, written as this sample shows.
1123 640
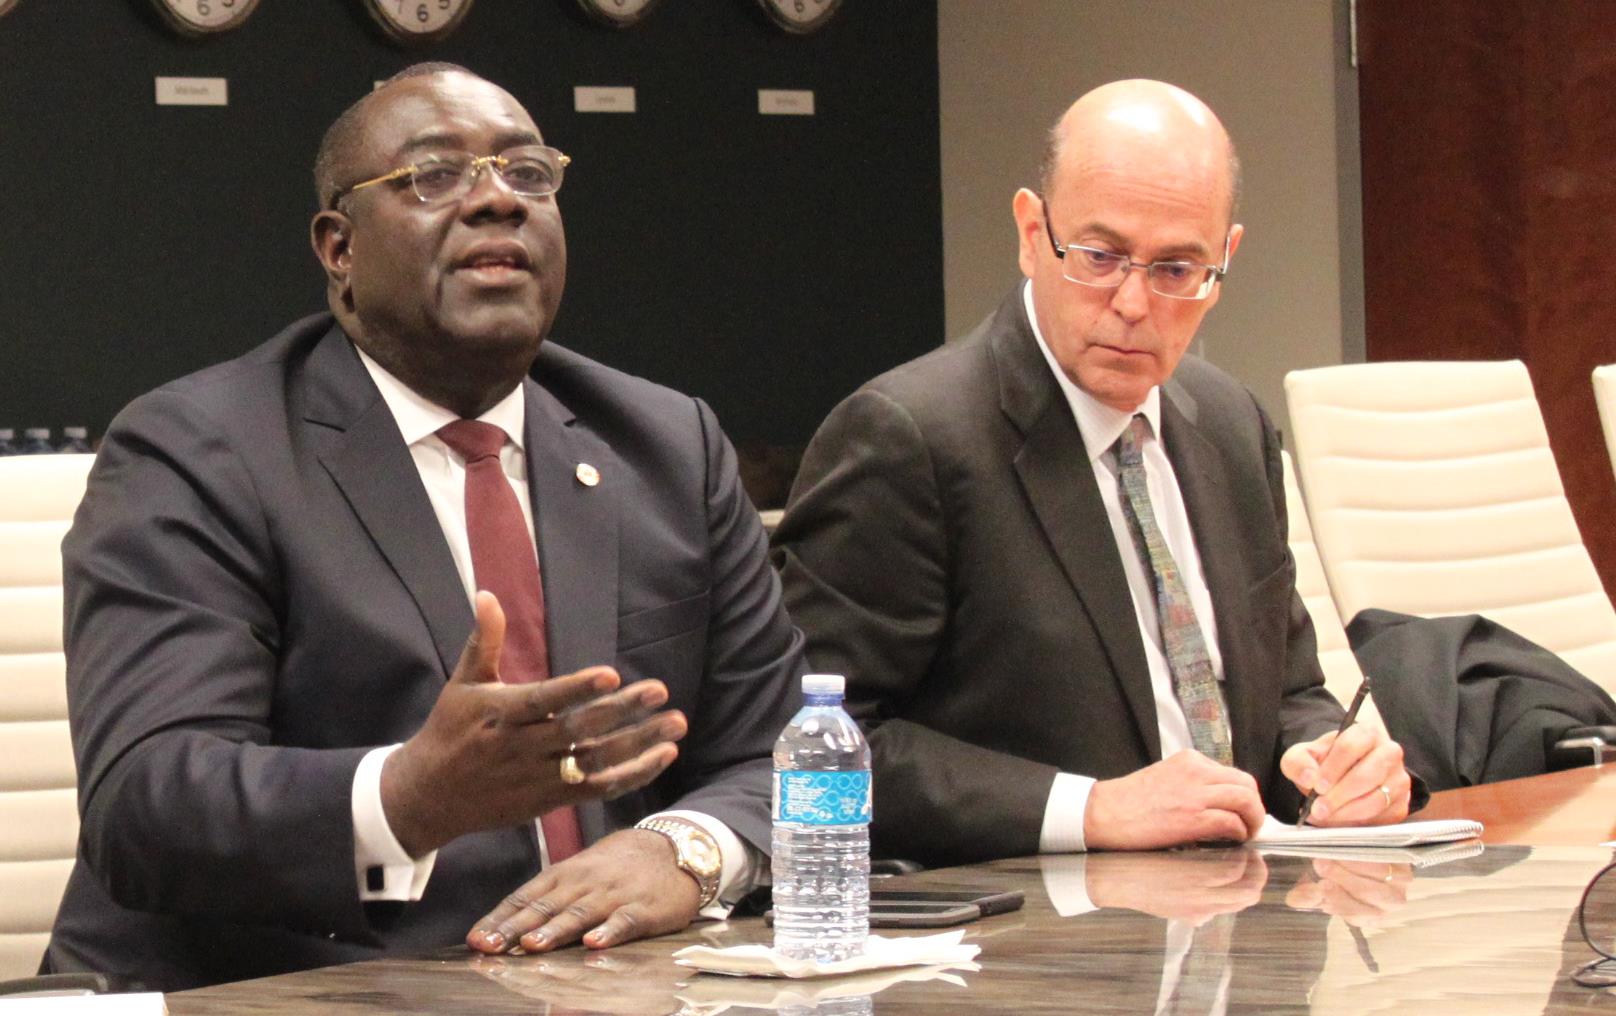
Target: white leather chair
1342 675
38 811
1431 490
1605 398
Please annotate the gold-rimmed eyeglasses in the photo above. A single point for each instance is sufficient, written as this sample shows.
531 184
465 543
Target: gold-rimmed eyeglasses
532 171
1108 269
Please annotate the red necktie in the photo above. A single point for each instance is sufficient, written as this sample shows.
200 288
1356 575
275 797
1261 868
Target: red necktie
504 563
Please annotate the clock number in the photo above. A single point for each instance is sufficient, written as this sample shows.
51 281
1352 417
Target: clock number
203 8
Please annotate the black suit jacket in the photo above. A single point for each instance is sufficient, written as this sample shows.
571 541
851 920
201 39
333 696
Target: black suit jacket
946 548
258 592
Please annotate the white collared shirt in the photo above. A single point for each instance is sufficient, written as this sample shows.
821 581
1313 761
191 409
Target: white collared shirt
443 474
1100 426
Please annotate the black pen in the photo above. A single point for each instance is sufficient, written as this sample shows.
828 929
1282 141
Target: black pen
1346 721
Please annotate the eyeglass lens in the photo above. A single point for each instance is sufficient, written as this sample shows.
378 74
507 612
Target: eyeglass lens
1094 267
532 172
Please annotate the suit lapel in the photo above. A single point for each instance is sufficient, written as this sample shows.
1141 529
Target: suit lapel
577 528
1053 469
1199 468
371 465
577 532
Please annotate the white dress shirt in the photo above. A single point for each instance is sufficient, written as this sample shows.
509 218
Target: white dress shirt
443 473
1100 425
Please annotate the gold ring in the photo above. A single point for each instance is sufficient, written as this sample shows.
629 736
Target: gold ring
1388 792
572 773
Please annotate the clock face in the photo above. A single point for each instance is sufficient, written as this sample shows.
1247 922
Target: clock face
617 13
419 20
200 17
800 16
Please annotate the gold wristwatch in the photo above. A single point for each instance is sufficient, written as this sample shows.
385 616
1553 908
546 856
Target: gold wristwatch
695 851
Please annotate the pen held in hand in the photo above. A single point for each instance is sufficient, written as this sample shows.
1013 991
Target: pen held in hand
1346 721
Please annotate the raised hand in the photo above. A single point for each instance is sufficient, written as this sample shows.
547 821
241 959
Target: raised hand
489 754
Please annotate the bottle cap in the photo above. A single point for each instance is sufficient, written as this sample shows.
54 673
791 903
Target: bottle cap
823 684
78 432
6 433
33 432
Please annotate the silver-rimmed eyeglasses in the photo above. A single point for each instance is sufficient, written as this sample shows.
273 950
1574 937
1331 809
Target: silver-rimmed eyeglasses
1108 269
532 171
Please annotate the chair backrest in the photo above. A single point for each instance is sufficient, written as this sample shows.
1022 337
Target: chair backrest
38 811
1342 675
1605 398
1432 491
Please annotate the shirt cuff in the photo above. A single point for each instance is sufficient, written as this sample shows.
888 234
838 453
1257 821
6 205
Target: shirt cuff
381 867
1062 832
739 863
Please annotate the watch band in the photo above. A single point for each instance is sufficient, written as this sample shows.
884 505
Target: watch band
694 849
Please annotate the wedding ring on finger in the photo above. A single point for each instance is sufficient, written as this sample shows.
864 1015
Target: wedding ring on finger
1387 793
572 773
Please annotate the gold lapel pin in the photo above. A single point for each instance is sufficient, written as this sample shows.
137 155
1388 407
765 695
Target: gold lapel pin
587 475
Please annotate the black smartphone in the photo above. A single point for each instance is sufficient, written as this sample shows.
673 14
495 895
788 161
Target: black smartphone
934 908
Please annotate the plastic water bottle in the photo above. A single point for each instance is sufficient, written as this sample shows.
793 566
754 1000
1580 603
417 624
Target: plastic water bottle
75 440
36 441
8 441
821 861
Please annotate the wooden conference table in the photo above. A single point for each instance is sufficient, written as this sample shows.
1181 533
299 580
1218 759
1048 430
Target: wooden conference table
1489 930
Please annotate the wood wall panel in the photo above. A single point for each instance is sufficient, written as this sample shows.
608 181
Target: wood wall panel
1489 178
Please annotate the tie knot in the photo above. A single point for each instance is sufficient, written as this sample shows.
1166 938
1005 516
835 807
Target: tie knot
1130 446
473 439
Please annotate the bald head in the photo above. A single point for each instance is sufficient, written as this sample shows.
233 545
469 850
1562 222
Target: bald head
1141 122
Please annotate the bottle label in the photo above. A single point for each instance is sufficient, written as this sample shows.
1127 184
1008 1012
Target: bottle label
818 797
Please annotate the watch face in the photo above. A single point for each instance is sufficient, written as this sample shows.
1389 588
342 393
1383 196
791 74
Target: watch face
800 16
617 13
418 20
703 856
200 17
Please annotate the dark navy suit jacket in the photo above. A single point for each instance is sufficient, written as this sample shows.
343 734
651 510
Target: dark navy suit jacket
258 592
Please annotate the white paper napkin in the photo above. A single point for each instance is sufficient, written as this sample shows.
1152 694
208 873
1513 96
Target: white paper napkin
946 949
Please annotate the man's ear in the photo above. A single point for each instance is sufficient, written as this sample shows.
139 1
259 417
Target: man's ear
331 233
1028 209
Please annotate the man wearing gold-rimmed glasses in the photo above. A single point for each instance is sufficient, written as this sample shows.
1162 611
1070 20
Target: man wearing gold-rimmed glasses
375 642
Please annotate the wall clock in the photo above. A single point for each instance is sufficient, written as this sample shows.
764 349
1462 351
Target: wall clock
800 16
203 17
418 21
617 13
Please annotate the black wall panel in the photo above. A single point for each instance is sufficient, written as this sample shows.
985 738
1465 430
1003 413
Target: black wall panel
766 263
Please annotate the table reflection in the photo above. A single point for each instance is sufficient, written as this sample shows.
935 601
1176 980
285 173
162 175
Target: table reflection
1197 931
621 983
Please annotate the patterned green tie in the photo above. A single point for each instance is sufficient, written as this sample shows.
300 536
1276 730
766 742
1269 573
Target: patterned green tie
1193 680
